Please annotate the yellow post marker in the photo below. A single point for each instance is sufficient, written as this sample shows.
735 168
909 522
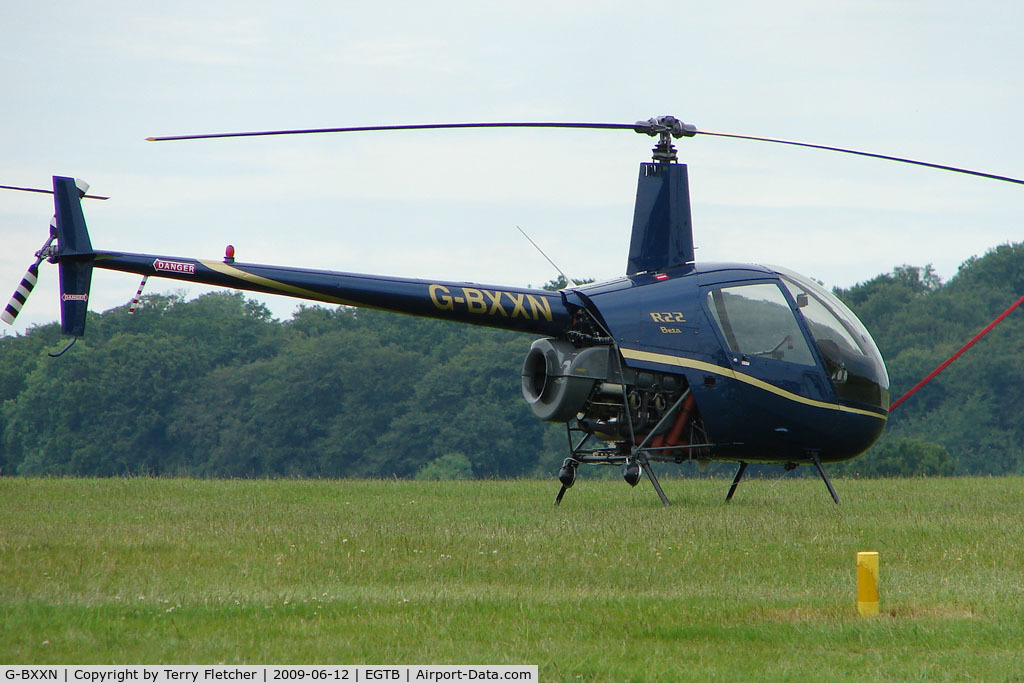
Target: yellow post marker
867 583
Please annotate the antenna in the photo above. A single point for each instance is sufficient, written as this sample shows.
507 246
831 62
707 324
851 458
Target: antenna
568 280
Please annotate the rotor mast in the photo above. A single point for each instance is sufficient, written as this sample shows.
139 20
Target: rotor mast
662 236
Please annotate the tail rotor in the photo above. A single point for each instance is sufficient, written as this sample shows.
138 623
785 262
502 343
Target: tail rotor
20 295
28 283
67 245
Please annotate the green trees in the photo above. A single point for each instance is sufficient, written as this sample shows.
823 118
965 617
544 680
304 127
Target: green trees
972 410
903 458
215 387
108 408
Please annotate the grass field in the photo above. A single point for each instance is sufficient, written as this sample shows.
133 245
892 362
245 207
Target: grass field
609 586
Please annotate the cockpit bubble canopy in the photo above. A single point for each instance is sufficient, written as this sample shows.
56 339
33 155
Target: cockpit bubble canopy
852 359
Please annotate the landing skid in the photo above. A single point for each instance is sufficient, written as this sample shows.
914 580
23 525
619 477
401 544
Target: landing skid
635 466
815 460
635 463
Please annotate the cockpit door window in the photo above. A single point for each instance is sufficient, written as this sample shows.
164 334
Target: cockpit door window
756 321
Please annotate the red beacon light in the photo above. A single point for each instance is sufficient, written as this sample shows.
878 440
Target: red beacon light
229 254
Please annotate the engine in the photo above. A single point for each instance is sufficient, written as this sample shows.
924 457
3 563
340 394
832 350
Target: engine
562 382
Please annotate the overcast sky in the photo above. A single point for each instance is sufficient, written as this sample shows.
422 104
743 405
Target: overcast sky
84 83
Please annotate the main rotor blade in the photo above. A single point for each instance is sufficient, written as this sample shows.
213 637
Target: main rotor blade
655 126
872 155
34 189
421 126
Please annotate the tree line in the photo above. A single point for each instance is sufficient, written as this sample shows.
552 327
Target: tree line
968 419
215 387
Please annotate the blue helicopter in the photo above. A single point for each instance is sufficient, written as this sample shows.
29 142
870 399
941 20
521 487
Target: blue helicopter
675 361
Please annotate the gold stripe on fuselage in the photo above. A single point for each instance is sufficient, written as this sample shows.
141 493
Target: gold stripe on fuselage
683 362
282 287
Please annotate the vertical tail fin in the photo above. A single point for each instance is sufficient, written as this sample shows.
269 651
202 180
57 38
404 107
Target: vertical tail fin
74 254
662 230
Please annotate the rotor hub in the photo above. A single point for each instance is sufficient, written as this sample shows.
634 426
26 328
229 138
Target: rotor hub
666 128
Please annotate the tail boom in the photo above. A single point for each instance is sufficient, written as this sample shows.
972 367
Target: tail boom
520 309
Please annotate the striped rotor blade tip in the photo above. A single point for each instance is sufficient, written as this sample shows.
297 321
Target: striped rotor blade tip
20 296
138 294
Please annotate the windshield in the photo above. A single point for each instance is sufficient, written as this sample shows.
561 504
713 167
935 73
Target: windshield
853 362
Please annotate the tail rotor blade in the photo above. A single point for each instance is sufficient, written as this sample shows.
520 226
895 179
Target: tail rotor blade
20 295
138 294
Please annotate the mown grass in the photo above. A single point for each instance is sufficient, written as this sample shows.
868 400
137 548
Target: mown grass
609 586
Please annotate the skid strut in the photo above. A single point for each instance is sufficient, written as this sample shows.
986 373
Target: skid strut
821 471
736 481
654 479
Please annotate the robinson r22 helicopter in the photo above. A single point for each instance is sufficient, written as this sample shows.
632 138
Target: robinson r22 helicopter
674 361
